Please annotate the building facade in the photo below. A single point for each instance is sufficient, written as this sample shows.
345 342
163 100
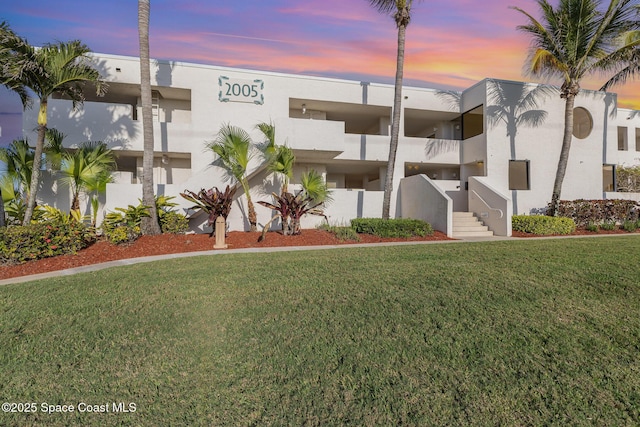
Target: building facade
491 149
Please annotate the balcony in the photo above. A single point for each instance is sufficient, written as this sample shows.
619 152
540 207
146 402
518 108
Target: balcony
312 139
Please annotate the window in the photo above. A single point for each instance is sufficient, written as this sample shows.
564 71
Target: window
582 123
519 175
473 122
637 139
622 138
608 178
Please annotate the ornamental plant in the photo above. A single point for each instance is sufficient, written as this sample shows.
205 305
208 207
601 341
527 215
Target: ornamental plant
123 226
213 201
582 212
290 209
19 244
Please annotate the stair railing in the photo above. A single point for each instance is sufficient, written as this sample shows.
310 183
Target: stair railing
488 205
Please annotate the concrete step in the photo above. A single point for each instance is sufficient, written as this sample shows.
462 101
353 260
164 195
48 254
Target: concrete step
472 234
466 224
475 227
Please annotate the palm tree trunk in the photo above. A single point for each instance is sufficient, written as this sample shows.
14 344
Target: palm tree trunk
564 153
395 124
75 204
251 214
149 224
253 218
37 162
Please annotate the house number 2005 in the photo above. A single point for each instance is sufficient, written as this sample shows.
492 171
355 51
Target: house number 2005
238 90
244 90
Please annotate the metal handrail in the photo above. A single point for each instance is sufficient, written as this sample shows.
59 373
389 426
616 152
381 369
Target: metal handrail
487 204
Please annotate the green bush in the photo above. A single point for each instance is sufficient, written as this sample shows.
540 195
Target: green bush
173 222
630 226
542 224
593 227
396 227
608 225
19 244
342 233
122 234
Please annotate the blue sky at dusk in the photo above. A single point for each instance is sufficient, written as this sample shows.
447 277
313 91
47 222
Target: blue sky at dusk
451 44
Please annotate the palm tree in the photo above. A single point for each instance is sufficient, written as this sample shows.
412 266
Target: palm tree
401 10
630 63
18 158
54 148
314 187
87 169
572 41
60 68
149 224
233 146
11 198
279 158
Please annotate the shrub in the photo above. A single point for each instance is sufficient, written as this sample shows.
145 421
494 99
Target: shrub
213 201
173 222
630 226
584 211
593 227
608 225
396 227
342 233
123 234
542 224
124 226
19 244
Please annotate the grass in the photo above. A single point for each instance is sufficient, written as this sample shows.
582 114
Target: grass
505 333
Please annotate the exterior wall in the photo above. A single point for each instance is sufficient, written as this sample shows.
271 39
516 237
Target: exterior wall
540 145
434 207
341 129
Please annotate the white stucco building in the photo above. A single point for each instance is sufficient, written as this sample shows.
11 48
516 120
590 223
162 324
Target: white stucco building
489 149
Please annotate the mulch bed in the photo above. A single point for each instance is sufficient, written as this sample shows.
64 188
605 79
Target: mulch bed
103 251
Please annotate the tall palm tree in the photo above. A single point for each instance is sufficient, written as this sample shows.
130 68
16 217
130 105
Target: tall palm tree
84 169
149 224
401 10
630 65
280 158
60 68
570 42
233 146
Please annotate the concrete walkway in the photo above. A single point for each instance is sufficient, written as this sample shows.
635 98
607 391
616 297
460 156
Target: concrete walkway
131 261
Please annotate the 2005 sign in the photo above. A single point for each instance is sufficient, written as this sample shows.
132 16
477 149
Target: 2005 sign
238 90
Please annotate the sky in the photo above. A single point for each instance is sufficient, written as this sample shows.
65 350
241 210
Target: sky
451 44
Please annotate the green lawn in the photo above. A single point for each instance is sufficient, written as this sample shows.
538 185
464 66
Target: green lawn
515 333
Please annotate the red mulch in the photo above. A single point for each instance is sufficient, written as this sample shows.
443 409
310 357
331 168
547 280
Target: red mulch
103 251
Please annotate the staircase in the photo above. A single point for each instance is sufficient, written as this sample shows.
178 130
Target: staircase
466 224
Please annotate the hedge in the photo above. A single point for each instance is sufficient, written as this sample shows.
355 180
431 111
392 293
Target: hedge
542 224
583 212
396 227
